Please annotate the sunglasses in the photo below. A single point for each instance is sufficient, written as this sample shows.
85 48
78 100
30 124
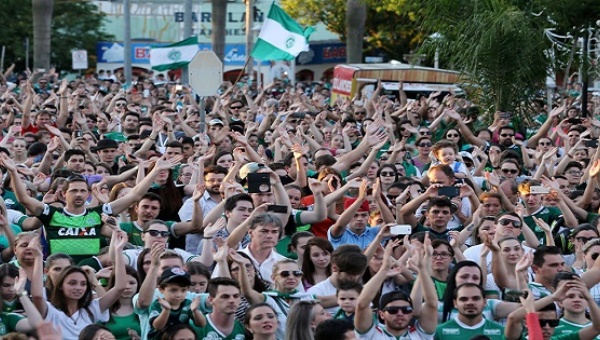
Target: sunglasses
76 178
360 113
583 239
394 310
545 144
425 133
505 222
387 174
552 323
425 145
595 256
452 135
506 135
155 233
121 105
510 171
287 273
236 107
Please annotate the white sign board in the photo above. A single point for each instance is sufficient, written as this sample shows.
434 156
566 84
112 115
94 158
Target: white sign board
80 59
206 73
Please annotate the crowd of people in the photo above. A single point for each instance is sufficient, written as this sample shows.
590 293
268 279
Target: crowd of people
295 215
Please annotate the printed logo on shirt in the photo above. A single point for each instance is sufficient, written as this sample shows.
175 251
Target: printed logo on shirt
451 331
491 332
77 232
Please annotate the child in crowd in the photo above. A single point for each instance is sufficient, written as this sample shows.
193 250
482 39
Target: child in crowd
174 308
347 294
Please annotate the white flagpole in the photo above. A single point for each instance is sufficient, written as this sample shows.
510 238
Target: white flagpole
293 77
259 73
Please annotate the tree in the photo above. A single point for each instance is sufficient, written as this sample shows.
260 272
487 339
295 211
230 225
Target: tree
219 18
498 46
42 21
391 26
75 25
356 17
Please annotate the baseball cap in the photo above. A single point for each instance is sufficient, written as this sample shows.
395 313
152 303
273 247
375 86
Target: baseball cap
175 275
216 122
396 295
465 154
363 207
107 144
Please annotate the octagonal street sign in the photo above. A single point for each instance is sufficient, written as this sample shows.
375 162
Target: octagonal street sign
206 73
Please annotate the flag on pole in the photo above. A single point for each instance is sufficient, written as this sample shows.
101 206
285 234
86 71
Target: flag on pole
174 56
280 38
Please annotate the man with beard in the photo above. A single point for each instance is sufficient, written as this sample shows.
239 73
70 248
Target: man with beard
469 302
213 177
148 209
76 230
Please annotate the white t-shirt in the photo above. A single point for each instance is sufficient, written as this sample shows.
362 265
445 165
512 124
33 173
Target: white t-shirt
131 256
324 288
72 326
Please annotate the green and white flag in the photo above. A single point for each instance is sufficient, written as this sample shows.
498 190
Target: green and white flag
280 38
174 56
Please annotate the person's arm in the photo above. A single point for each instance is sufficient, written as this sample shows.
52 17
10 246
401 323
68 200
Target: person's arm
199 318
139 190
371 139
319 213
384 209
117 241
408 210
161 320
34 318
146 293
543 131
364 168
249 293
301 177
114 179
465 130
590 332
196 224
281 196
237 235
37 280
26 119
339 227
34 206
429 307
363 317
498 267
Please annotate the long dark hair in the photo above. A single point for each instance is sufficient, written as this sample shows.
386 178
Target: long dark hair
58 298
451 287
259 284
140 265
129 270
308 267
89 332
172 199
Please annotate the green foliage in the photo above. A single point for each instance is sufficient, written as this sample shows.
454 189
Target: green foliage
75 25
391 25
497 45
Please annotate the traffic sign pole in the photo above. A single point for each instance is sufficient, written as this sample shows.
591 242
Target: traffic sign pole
206 75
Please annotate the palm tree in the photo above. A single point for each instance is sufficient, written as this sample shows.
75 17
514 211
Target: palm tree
42 24
356 17
219 18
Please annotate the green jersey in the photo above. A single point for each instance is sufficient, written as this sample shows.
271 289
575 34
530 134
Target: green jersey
456 330
8 322
75 235
566 327
211 332
184 314
134 231
548 215
120 325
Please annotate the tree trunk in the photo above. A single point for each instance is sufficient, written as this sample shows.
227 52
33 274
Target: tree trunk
356 17
42 24
219 22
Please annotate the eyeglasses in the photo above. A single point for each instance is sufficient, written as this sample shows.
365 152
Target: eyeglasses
583 239
550 322
287 273
594 256
507 135
387 174
545 144
441 255
510 171
120 105
425 145
394 310
452 135
505 222
236 107
156 233
425 133
575 173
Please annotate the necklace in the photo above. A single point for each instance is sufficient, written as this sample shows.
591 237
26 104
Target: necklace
75 320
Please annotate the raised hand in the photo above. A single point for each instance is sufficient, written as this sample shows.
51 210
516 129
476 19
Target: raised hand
213 228
199 190
164 304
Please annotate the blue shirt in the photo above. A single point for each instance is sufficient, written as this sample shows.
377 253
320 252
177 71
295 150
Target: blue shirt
348 237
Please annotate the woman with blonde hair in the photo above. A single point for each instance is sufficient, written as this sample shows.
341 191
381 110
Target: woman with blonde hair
303 319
